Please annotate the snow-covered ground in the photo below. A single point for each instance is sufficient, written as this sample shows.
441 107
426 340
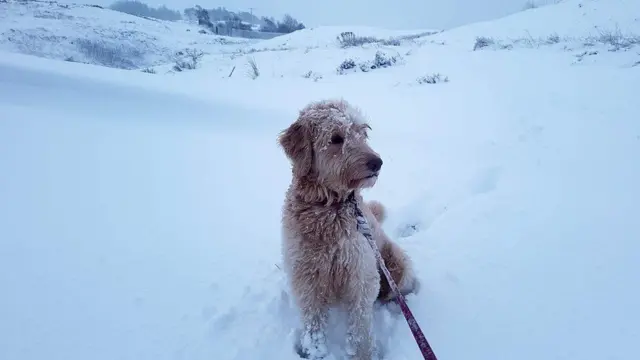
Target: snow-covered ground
91 34
139 213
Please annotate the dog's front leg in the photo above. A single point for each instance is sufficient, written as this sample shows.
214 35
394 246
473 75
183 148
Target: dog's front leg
313 342
360 337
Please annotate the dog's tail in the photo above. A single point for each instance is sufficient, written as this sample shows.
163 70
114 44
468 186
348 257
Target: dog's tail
378 210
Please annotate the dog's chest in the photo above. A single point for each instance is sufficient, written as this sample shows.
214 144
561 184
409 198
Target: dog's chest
353 250
332 232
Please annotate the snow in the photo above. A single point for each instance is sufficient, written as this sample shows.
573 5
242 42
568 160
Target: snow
325 36
140 213
568 19
95 35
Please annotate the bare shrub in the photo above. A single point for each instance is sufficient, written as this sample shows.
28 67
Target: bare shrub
194 55
482 42
117 55
187 60
349 39
380 60
253 71
615 38
391 42
346 66
312 75
433 79
553 39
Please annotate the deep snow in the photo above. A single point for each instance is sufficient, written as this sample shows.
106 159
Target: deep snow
140 213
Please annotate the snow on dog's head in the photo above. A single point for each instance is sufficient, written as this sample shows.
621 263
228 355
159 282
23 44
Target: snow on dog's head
327 146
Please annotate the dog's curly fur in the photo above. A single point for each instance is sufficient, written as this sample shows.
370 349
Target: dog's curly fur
328 263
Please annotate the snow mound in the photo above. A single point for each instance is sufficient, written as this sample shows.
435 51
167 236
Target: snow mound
568 19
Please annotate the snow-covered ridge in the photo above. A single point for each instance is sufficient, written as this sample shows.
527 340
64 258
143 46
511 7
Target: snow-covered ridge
585 30
581 32
96 35
328 36
569 20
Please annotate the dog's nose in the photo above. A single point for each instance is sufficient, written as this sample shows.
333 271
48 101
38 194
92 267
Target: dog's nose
374 164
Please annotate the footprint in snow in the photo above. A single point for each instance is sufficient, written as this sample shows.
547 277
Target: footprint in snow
486 181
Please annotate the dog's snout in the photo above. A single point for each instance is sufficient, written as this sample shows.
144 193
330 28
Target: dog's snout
374 164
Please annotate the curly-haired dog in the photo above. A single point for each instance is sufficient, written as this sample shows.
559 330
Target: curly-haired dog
327 261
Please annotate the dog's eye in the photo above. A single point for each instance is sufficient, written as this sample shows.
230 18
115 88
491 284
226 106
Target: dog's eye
337 139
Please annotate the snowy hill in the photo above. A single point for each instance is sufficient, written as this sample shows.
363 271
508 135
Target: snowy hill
140 213
94 35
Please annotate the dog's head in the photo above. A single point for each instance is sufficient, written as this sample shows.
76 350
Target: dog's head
327 145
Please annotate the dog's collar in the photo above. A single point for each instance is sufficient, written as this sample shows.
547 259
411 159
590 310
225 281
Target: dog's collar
351 199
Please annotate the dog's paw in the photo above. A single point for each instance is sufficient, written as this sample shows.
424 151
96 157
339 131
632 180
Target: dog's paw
312 346
411 286
408 230
379 352
358 348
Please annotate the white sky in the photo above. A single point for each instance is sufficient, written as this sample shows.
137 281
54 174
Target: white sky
399 14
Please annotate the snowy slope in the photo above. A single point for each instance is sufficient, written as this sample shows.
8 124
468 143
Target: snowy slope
140 213
589 32
325 36
91 34
568 19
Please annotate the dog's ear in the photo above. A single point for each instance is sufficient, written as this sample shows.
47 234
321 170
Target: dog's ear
297 145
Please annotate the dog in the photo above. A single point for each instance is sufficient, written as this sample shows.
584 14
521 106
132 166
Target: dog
328 263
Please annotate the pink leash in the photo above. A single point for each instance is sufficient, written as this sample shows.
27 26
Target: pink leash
423 344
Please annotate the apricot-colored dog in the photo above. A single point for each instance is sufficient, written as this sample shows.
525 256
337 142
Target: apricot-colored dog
328 263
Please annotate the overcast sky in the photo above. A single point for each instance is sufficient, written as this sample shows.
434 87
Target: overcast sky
398 14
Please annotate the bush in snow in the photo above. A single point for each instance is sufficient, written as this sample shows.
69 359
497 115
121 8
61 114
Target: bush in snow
117 55
482 42
432 79
289 24
391 42
380 60
553 39
312 75
616 38
349 39
148 70
253 72
346 66
187 60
